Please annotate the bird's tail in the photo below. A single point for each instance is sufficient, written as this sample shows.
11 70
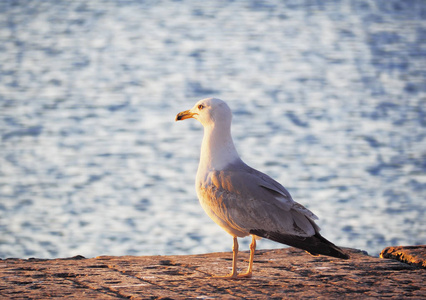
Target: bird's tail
315 244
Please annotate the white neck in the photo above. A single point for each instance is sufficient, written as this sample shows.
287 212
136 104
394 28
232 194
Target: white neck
217 149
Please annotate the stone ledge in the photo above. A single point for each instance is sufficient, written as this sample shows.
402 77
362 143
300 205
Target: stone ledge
284 273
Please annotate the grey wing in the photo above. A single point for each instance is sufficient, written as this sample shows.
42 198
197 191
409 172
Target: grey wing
254 201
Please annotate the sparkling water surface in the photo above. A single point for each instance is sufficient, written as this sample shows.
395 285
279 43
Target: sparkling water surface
329 98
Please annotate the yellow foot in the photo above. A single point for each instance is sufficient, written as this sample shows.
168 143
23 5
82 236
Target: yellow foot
233 276
229 276
245 275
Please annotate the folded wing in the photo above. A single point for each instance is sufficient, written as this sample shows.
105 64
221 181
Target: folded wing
252 202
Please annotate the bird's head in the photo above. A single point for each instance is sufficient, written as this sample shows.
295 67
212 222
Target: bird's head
209 112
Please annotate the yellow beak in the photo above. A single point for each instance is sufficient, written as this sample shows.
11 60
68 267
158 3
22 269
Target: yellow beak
187 114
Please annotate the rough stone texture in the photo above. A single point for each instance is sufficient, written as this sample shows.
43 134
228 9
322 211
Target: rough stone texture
415 255
284 273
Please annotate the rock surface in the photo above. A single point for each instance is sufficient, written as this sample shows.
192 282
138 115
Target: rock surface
415 255
284 273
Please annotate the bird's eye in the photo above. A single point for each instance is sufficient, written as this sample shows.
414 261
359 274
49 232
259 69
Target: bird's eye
200 107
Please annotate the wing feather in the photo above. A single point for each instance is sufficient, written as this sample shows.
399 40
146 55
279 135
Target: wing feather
246 200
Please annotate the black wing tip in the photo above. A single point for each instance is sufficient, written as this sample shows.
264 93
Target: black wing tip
335 251
315 245
344 256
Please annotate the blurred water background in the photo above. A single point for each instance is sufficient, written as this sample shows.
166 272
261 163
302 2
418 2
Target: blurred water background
329 98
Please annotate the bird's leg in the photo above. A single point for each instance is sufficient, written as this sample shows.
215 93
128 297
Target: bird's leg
234 261
250 266
234 258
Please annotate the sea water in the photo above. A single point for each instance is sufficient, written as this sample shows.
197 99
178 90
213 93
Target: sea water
329 98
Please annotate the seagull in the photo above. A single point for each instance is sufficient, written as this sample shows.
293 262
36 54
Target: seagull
243 200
